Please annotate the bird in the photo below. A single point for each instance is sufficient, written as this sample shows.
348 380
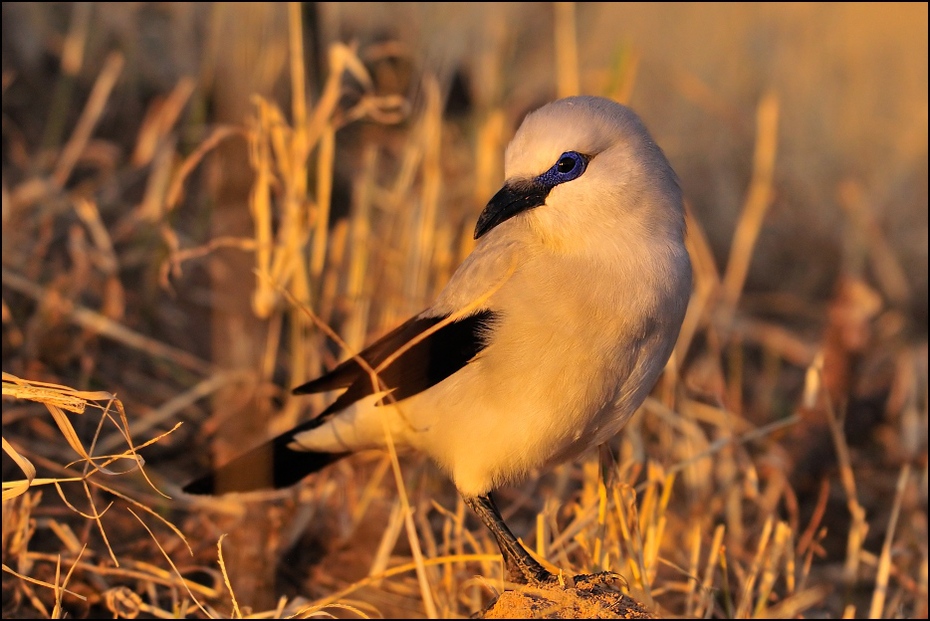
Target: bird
544 341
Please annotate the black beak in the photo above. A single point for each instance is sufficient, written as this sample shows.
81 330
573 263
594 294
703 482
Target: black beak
512 199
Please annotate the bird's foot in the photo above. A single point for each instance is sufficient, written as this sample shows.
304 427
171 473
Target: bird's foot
526 570
531 573
599 579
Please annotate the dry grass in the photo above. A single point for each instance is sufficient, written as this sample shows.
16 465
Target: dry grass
779 468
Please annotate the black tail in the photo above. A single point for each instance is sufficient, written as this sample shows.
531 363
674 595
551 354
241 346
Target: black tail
270 465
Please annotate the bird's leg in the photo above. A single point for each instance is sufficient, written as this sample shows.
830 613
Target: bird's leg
521 567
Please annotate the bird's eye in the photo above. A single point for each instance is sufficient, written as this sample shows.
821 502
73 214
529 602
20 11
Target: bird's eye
570 165
566 164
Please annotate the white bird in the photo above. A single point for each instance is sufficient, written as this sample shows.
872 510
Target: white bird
543 343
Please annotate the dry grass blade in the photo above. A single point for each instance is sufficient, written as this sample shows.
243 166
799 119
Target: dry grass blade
104 326
745 597
793 606
757 202
170 408
704 607
884 566
412 537
41 583
174 568
394 571
55 394
890 274
12 489
74 441
706 282
693 572
217 135
112 68
602 502
94 516
769 573
134 570
159 120
627 516
60 589
859 527
147 509
51 395
236 613
89 213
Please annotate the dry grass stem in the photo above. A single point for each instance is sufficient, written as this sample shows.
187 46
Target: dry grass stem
757 202
104 326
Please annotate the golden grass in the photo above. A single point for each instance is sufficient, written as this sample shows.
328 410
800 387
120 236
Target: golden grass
701 504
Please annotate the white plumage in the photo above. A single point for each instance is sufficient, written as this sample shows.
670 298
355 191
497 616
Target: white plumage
545 340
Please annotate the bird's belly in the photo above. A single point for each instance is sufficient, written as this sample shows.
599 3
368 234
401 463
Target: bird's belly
511 427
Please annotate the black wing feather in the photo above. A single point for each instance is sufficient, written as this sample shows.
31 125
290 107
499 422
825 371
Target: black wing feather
424 364
420 366
348 371
272 464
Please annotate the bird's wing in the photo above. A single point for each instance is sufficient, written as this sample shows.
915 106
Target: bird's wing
408 369
411 368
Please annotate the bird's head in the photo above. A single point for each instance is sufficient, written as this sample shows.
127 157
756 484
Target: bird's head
584 172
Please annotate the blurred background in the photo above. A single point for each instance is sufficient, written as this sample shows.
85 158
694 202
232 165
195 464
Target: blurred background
194 193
